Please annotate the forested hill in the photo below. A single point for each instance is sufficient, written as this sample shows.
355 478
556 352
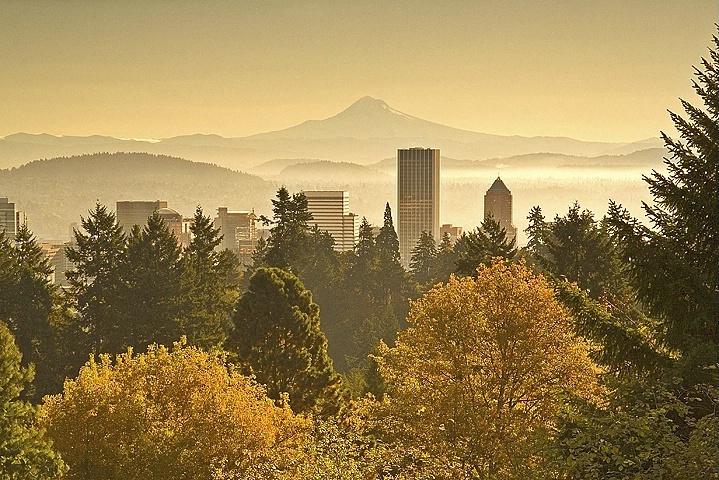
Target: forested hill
57 191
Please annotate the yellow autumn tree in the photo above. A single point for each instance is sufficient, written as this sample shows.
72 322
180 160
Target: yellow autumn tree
477 375
180 414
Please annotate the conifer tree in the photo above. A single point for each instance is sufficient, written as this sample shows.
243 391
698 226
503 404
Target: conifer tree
480 246
424 256
387 241
95 282
150 292
289 232
675 265
277 338
444 264
208 293
24 452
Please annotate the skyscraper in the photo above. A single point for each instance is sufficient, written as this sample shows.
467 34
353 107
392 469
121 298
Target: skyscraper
331 212
417 197
498 204
7 218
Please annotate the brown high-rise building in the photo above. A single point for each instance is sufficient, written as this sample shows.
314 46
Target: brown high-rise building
238 230
130 214
498 204
331 212
417 197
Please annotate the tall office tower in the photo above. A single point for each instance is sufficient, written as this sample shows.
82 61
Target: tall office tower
238 231
130 214
331 212
7 218
417 197
498 204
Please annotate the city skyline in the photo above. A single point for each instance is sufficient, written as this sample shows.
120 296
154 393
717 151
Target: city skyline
592 71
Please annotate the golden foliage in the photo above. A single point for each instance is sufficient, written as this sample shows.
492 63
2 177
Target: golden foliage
478 373
170 414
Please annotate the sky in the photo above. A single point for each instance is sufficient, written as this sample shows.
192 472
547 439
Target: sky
603 70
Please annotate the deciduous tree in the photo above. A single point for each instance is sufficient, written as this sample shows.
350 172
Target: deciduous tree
180 414
479 371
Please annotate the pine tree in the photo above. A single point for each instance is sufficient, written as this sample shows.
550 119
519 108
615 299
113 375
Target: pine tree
150 294
387 241
424 256
675 264
24 452
208 291
95 281
444 264
480 246
277 337
288 235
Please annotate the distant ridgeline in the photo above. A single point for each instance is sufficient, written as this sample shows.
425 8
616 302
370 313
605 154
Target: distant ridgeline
56 192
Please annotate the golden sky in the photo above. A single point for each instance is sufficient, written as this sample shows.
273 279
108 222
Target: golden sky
588 69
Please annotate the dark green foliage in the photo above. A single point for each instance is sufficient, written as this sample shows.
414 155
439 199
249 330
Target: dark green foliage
24 453
150 293
645 431
576 247
97 255
480 246
289 232
387 241
27 295
424 256
277 337
209 288
674 265
445 262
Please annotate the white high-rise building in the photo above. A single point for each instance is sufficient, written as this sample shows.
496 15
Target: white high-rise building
417 197
331 212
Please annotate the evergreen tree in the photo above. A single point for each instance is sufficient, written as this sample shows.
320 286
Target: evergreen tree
288 235
27 298
424 256
674 265
95 281
444 264
480 246
208 290
387 241
577 247
277 337
24 452
150 294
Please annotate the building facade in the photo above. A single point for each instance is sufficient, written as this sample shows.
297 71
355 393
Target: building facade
331 212
238 230
453 232
7 218
498 204
417 197
130 213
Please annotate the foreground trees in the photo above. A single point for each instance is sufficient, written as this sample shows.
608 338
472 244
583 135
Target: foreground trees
477 374
277 337
24 451
180 414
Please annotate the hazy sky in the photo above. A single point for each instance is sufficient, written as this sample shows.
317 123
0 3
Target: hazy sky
589 69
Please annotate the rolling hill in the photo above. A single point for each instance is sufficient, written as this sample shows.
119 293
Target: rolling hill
56 192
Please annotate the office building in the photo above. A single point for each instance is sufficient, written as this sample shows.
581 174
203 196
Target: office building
498 204
130 214
7 218
331 212
453 232
238 231
172 219
417 197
